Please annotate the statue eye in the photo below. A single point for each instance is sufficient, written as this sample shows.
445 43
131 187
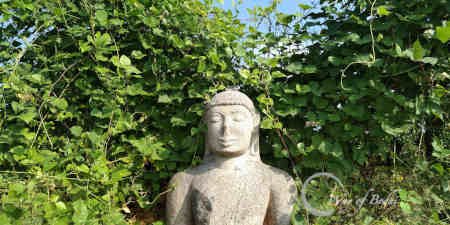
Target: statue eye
215 119
238 118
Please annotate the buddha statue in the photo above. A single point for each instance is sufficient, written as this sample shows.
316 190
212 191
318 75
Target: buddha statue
232 186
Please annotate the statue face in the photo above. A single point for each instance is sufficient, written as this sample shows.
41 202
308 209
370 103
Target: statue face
229 129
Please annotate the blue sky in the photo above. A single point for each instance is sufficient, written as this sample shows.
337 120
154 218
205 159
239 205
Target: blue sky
286 6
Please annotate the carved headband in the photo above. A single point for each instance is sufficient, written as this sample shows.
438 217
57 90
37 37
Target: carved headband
231 97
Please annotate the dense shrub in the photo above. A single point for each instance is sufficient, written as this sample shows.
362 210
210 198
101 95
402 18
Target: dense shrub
360 89
101 103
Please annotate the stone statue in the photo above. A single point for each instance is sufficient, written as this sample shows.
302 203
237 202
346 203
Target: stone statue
232 186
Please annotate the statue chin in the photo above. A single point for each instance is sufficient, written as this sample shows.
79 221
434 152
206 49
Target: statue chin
228 152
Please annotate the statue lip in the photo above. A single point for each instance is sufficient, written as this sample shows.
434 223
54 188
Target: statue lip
226 140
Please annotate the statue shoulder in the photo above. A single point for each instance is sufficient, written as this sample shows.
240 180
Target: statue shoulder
278 176
181 178
186 176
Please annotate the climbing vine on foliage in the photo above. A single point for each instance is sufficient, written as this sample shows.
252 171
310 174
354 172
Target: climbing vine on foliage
360 89
101 102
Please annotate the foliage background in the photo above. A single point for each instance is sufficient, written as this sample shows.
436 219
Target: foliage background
101 103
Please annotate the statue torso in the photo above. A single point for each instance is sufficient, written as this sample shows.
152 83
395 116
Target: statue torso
230 196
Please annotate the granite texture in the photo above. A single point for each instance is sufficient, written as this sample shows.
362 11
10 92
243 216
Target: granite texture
232 186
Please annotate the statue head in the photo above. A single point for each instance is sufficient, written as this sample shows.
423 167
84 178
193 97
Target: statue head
233 125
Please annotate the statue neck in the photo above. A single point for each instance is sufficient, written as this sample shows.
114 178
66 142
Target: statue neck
228 162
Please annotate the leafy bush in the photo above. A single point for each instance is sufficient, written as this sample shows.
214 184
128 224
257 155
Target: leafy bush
360 89
101 102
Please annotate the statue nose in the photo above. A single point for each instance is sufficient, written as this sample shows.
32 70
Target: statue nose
226 127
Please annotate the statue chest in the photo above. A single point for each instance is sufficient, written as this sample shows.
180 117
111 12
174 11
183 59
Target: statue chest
234 197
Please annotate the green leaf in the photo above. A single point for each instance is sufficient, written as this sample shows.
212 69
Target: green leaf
439 151
263 99
118 173
439 168
36 78
309 69
103 113
84 46
164 99
102 40
136 89
430 60
383 10
395 131
277 74
115 60
406 208
102 17
59 103
149 147
304 6
76 131
416 200
178 122
418 50
95 138
300 149
114 217
336 150
443 32
17 188
355 110
4 219
360 155
28 116
201 65
284 19
125 63
294 67
124 60
83 168
403 194
214 57
268 123
80 215
61 206
137 54
335 60
299 68
132 69
302 89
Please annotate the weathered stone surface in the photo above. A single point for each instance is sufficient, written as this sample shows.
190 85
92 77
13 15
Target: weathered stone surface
232 186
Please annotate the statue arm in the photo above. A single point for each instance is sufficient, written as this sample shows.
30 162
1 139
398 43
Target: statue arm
178 206
282 199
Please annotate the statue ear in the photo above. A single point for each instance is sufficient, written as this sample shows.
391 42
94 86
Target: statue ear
256 119
204 130
203 119
254 148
